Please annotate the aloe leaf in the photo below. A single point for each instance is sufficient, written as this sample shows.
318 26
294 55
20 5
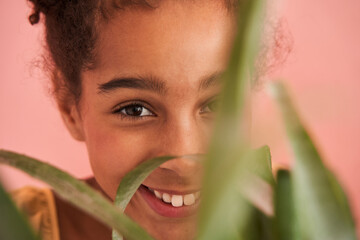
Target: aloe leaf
257 189
260 227
132 181
222 213
13 225
77 193
285 223
321 206
265 226
257 182
260 164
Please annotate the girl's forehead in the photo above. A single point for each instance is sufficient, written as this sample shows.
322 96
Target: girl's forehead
175 38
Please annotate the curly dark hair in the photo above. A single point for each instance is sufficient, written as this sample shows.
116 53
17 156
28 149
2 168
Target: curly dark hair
70 31
70 40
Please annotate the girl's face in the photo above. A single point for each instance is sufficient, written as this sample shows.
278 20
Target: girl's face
151 94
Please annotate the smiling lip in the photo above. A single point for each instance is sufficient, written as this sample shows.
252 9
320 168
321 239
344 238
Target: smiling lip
166 209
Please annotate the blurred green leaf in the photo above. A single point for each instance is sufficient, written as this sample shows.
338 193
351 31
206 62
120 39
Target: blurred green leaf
260 227
258 191
77 193
13 225
285 223
223 214
256 184
260 164
320 204
132 181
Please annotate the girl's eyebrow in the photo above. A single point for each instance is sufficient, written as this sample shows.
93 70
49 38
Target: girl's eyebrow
153 84
211 80
144 83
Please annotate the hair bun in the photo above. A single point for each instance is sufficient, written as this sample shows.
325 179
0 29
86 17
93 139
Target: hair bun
40 6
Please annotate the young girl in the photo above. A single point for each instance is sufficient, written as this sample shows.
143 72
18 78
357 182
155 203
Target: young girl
134 79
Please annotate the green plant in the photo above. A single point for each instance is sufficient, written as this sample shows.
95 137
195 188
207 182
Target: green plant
228 209
12 223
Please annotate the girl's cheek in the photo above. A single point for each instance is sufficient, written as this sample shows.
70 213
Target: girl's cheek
113 153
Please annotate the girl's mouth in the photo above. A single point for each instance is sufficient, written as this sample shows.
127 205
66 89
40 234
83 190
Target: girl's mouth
170 204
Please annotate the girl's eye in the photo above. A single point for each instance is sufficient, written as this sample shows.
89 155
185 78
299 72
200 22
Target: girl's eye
211 107
134 110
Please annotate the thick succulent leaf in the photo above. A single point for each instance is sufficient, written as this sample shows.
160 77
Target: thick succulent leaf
13 225
258 181
222 213
258 191
321 206
132 181
260 164
285 226
262 227
77 193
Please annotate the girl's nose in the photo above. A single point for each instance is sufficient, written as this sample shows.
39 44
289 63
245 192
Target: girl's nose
184 137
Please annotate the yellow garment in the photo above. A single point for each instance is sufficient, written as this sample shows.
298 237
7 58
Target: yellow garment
39 205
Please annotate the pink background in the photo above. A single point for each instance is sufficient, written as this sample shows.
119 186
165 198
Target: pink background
323 73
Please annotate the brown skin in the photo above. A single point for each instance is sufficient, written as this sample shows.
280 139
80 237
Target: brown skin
180 43
74 224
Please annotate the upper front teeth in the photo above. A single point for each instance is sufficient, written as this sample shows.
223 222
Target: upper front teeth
189 199
177 200
157 194
166 197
